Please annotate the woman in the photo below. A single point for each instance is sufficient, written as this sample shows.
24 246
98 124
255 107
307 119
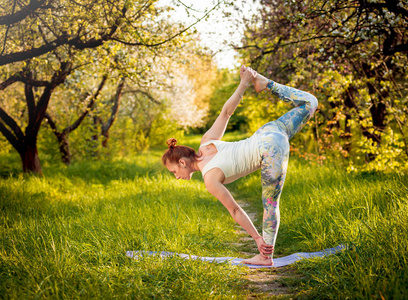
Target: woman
221 162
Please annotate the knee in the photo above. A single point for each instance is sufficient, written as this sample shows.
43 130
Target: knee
313 103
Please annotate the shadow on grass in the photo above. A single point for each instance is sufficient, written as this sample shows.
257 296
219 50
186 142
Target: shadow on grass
106 169
100 171
10 165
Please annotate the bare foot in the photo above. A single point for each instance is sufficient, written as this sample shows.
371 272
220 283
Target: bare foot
260 83
259 260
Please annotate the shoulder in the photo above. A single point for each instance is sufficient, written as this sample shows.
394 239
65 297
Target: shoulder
213 178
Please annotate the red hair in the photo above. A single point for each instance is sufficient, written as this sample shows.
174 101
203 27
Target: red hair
174 153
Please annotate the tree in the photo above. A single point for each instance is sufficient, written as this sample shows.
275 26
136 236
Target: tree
26 142
352 53
89 24
58 32
62 135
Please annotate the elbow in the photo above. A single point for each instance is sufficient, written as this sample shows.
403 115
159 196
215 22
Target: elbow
226 110
235 211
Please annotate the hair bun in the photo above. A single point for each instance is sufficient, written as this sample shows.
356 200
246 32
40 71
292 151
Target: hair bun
171 142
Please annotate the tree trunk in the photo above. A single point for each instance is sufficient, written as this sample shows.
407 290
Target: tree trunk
114 111
95 136
347 133
30 160
378 108
376 138
64 149
26 143
105 139
378 114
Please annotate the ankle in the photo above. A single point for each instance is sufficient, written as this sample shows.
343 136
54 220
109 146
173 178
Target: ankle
260 83
269 86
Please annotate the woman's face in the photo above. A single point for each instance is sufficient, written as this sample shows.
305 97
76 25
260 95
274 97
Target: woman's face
181 169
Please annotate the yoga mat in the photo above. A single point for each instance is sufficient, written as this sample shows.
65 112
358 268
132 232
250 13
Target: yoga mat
277 262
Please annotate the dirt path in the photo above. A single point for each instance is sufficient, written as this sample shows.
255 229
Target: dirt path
265 283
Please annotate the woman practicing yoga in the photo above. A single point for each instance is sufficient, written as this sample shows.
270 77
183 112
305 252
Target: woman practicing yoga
222 162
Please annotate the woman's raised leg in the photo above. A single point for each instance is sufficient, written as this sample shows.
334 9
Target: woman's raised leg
305 106
304 102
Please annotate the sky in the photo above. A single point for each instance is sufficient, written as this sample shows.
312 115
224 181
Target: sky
216 31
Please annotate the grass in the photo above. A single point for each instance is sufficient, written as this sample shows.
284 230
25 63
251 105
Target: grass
65 235
322 207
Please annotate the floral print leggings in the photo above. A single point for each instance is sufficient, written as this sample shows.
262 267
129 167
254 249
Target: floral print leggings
274 148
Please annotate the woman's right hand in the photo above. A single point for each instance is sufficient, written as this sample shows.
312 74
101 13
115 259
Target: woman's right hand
263 248
247 75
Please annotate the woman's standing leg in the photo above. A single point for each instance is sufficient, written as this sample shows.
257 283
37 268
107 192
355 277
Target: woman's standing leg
275 158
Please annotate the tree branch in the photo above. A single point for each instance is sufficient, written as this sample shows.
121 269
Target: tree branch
9 121
10 137
91 103
22 77
52 123
148 95
403 48
42 105
8 81
115 106
7 30
30 100
172 37
23 13
62 40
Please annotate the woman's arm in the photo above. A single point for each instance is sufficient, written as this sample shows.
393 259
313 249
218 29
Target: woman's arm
218 190
217 130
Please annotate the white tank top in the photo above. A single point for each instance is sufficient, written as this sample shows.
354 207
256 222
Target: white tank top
235 159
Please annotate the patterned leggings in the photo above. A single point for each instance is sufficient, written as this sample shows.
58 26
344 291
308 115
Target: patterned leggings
274 147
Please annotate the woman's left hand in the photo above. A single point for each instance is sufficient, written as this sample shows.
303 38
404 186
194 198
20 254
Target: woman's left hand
263 248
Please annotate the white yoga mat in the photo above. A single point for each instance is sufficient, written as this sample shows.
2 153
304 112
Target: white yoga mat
277 262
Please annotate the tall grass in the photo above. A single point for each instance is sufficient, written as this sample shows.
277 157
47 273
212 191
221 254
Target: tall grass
323 206
65 235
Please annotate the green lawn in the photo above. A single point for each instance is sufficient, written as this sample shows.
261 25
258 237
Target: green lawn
322 207
65 235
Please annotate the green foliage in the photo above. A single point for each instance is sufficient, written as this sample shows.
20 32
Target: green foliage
128 137
341 52
389 156
226 83
5 146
